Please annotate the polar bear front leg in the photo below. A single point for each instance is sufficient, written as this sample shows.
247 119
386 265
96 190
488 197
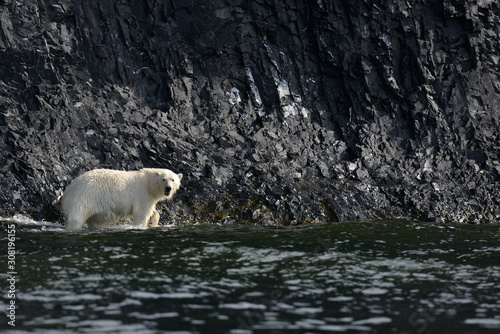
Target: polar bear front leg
143 218
154 219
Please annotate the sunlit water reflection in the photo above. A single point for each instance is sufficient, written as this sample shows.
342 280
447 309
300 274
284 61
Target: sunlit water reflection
361 277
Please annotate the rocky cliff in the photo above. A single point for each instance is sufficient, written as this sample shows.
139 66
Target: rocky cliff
275 111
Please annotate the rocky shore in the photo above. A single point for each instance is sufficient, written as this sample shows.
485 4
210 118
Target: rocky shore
276 112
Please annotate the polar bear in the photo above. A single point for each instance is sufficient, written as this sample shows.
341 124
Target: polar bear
101 197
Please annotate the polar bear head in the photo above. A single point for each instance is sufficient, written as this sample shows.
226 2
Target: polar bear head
165 181
171 182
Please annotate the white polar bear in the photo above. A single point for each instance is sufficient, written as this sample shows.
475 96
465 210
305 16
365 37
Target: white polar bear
101 197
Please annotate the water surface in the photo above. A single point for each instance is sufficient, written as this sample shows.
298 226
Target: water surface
357 277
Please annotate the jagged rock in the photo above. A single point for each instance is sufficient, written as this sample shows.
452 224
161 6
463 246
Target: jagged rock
299 111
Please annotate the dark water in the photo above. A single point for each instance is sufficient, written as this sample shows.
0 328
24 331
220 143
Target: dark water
361 277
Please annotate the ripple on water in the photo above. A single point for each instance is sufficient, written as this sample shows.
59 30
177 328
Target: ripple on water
243 306
56 296
173 295
484 322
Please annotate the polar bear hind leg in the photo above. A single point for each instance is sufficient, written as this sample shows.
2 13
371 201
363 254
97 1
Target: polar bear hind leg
75 220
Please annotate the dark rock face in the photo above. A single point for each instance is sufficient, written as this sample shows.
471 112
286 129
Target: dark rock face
288 112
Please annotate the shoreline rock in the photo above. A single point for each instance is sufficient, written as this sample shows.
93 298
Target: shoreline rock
299 111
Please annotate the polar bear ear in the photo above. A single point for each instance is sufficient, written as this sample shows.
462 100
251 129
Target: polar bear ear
180 176
157 174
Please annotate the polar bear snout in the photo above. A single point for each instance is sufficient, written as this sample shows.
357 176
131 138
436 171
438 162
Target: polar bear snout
168 189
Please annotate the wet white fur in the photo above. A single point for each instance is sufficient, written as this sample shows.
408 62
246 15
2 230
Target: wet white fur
101 197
